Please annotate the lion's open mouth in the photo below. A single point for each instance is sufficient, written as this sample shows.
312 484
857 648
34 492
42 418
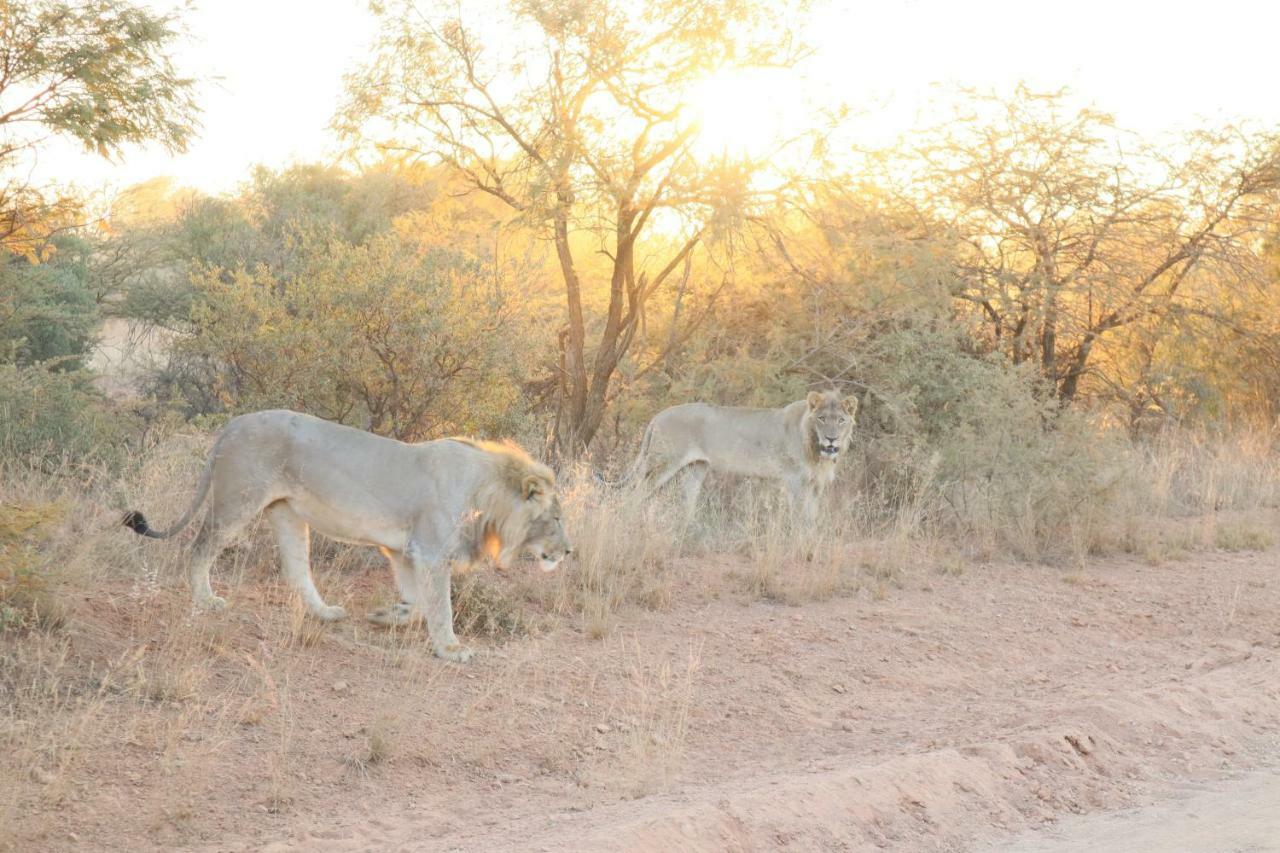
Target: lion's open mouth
548 564
829 450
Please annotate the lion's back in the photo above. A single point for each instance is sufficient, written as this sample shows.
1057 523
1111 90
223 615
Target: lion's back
731 438
357 486
319 463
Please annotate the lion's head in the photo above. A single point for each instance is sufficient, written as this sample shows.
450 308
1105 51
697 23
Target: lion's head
546 540
829 422
519 510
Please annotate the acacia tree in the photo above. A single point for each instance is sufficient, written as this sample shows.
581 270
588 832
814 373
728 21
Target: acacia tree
95 71
575 118
1068 230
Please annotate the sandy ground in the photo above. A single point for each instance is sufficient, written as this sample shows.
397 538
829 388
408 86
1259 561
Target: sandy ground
940 711
1231 816
124 355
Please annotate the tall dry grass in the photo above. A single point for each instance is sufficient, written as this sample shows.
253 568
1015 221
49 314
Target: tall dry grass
1074 494
1183 492
624 548
61 533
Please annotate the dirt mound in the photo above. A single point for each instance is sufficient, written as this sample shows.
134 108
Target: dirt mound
951 798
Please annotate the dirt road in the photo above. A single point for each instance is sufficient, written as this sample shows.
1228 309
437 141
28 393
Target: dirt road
945 715
935 711
1239 815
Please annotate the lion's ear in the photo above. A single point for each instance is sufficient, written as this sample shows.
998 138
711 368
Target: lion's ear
850 405
814 399
532 487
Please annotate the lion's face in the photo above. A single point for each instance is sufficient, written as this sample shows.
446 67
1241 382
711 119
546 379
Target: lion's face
831 422
546 540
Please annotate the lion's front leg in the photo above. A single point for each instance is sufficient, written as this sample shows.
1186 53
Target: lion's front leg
802 501
809 506
432 578
404 611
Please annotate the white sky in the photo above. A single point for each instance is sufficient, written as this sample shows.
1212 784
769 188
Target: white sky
1156 65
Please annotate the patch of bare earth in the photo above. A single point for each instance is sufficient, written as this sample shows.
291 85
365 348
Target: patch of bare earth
940 711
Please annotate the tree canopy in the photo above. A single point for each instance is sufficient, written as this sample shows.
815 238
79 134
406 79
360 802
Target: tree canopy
99 72
579 124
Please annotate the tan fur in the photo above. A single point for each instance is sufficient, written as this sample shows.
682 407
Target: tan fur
797 445
426 506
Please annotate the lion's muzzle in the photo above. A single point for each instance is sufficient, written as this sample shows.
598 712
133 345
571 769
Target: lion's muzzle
550 562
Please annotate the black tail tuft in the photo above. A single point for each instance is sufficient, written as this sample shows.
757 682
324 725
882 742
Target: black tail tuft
136 522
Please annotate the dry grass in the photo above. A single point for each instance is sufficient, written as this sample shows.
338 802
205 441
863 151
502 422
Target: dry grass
786 561
1244 534
376 747
623 552
29 599
485 606
1183 493
1161 499
656 718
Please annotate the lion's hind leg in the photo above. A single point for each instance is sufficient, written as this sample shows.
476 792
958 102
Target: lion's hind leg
658 475
694 474
293 539
208 545
221 525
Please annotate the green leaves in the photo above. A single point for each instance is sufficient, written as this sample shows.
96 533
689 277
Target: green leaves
97 71
47 312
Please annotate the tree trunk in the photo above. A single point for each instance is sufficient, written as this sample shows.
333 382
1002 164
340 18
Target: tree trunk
573 378
1070 383
584 398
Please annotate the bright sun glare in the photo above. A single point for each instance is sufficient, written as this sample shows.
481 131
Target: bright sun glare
876 58
745 112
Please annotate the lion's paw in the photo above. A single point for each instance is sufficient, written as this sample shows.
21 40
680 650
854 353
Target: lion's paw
455 653
393 616
332 613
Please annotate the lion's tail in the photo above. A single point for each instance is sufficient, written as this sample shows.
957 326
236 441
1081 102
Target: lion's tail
137 522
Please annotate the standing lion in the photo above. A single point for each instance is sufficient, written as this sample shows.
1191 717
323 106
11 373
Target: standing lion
797 445
425 506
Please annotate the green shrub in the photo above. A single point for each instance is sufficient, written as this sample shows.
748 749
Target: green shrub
27 596
48 417
980 444
46 309
401 340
